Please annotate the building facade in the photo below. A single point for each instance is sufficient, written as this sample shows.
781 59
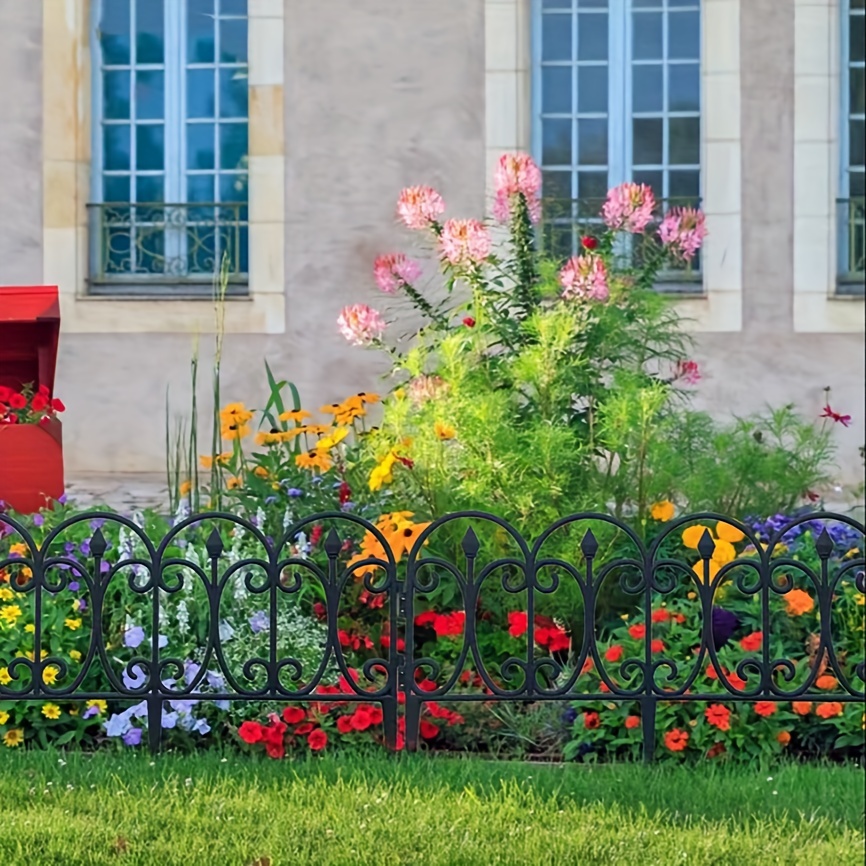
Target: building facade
146 144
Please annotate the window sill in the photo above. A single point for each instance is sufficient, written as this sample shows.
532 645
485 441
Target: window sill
165 290
850 288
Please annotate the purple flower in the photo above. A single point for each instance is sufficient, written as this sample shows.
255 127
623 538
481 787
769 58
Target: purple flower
82 605
139 711
118 724
73 586
259 622
132 737
133 637
38 520
190 671
84 547
62 499
136 679
347 506
96 523
201 727
215 680
294 492
270 500
162 641
104 566
184 707
569 716
724 624
169 720
90 712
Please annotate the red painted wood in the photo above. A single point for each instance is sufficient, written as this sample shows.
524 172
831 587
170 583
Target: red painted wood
31 456
31 465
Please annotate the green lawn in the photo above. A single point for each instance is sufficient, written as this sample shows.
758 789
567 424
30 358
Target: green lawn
203 809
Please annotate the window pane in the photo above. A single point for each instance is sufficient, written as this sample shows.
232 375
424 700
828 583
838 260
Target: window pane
647 90
149 94
647 141
114 28
149 147
592 142
115 188
592 37
590 4
149 188
150 250
556 4
116 147
857 143
200 146
592 185
556 184
200 97
647 36
684 87
857 36
592 89
233 145
857 91
684 40
233 188
652 179
684 135
199 187
684 187
233 7
115 95
556 142
857 184
233 93
233 41
200 31
558 240
149 32
556 89
556 37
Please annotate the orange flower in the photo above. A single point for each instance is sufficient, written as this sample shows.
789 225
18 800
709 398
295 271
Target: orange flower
826 682
729 533
828 710
752 642
802 708
632 722
314 460
698 568
660 615
718 716
662 511
799 602
765 708
676 740
784 737
693 534
638 632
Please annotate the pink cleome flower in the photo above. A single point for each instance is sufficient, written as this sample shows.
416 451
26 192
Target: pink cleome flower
584 277
516 174
688 372
395 270
629 207
361 325
465 242
418 206
683 230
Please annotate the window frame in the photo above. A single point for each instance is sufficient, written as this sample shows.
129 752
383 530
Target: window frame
175 171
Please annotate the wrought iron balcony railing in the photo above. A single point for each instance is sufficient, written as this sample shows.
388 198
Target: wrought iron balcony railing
172 249
565 221
851 223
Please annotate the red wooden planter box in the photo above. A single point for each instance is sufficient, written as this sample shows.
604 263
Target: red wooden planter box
31 456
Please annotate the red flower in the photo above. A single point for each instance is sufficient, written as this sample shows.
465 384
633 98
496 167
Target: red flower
428 730
677 740
320 611
316 534
517 623
39 402
812 496
765 708
5 394
844 420
362 719
657 646
427 685
718 716
17 401
638 632
251 732
275 748
632 722
376 715
293 715
828 710
345 493
343 637
715 750
679 618
736 681
591 721
469 322
57 405
614 653
558 641
448 624
385 640
303 730
317 740
588 242
409 464
603 687
344 725
752 642
660 615
426 618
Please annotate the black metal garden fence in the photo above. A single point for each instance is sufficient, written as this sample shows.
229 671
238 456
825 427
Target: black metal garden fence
202 554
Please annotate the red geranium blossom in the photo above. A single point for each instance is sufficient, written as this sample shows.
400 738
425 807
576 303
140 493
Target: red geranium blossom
293 715
614 653
344 725
657 646
517 623
428 730
362 718
632 722
752 642
591 721
317 740
251 732
660 615
638 632
718 716
303 730
426 618
449 624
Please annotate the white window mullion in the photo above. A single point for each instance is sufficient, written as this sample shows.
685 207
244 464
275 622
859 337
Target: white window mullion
619 109
175 229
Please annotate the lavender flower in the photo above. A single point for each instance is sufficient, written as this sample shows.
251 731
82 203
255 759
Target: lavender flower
294 492
118 724
132 737
259 622
724 624
90 712
133 637
190 671
38 520
62 499
73 586
136 679
169 720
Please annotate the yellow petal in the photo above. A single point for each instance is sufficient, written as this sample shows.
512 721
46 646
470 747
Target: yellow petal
693 534
729 533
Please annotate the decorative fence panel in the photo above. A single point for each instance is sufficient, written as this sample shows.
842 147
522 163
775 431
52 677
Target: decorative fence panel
442 622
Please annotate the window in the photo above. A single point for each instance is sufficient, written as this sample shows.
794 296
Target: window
852 202
617 97
170 179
